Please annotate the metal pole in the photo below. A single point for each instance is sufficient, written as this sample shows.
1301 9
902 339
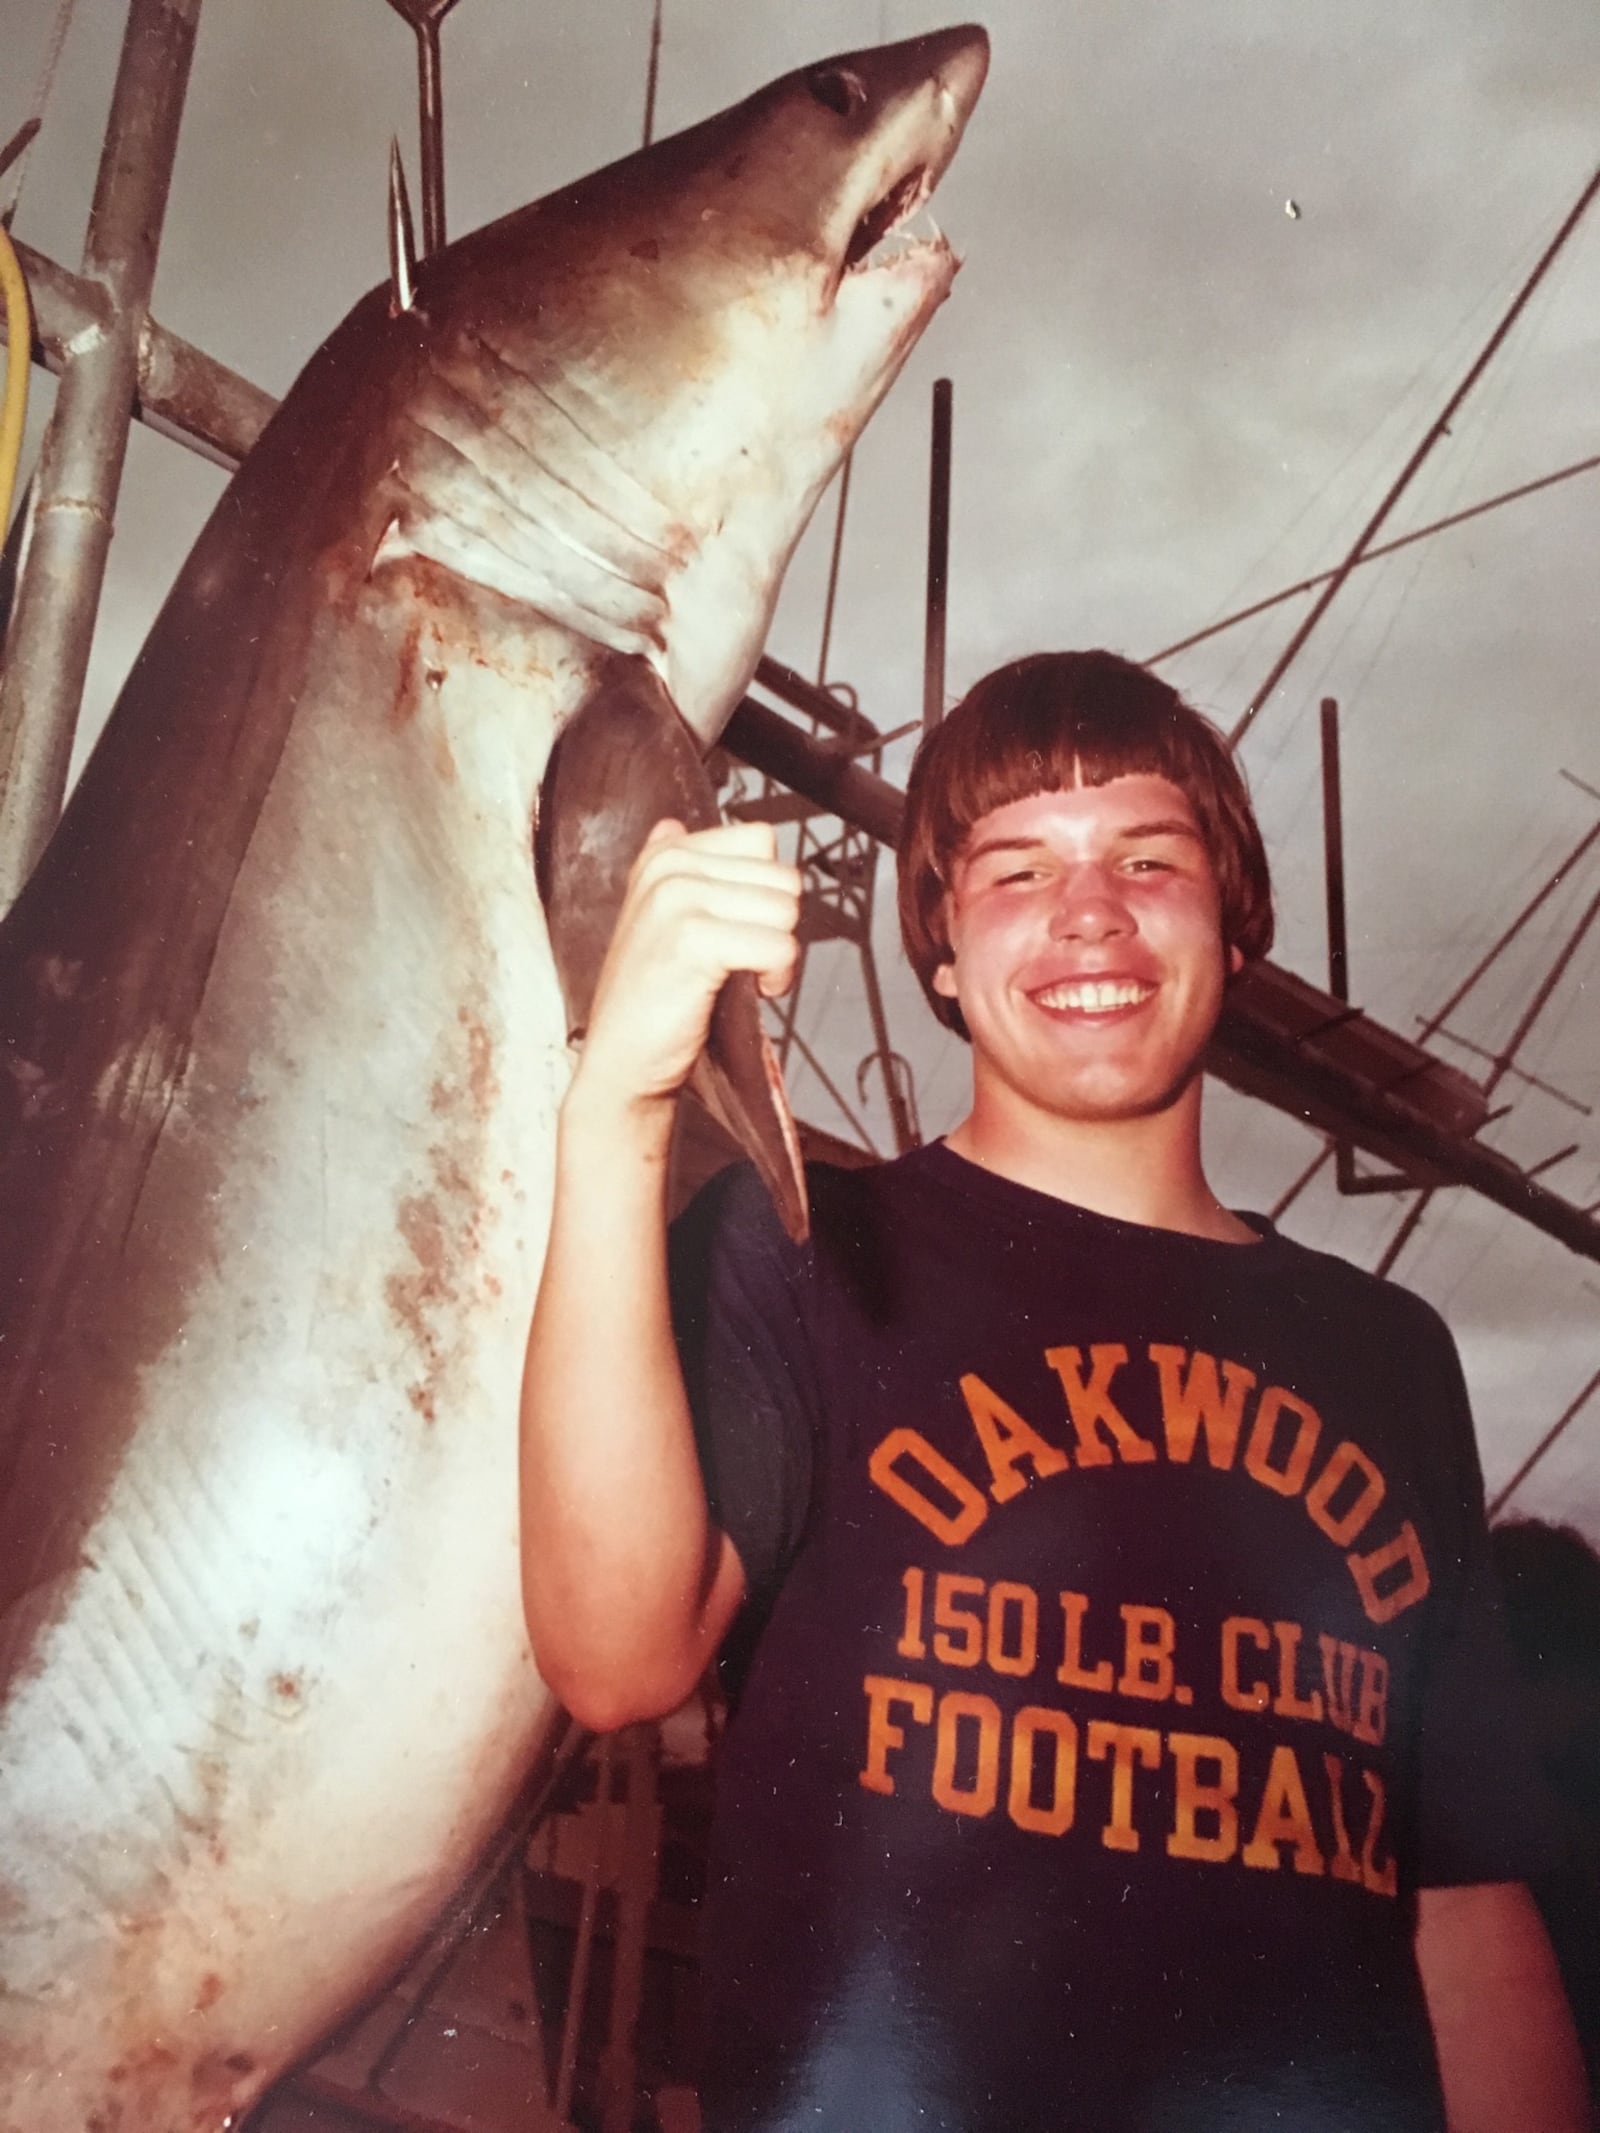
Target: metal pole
938 557
81 466
425 17
1333 853
1502 1064
430 135
652 79
1436 429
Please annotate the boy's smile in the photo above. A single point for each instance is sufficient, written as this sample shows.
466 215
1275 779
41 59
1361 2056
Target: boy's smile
1086 950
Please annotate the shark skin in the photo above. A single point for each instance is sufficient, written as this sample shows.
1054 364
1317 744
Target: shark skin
285 1042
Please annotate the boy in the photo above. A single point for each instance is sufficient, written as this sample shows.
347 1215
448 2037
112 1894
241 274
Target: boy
1126 1740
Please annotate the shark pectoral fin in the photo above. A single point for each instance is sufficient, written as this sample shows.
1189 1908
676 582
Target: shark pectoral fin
738 1080
622 763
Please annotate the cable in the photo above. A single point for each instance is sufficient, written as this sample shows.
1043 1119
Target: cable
19 363
28 133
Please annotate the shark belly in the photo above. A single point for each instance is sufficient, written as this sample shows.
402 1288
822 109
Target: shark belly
258 1745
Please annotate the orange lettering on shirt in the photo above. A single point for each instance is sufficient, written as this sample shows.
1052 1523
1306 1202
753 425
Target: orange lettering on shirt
1124 1745
1285 1818
1288 1703
908 1447
1372 1709
1403 1553
1378 1875
1342 1527
1072 1673
1197 1403
1034 1722
882 1733
1007 1441
1343 1866
1093 1409
1289 1477
1237 1629
1338 1674
966 1647
1003 1597
1148 1637
977 1797
1193 1796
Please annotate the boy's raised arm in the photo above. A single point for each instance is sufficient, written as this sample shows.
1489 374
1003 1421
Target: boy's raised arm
627 1583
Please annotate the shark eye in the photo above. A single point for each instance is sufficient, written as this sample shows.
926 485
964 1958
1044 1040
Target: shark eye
838 89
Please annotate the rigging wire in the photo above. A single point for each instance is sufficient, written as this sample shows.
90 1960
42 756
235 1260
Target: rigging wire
1438 428
1368 444
20 146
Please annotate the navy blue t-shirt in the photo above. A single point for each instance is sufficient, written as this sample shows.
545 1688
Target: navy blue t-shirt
1124 1660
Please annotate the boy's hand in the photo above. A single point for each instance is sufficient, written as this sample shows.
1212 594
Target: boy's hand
698 906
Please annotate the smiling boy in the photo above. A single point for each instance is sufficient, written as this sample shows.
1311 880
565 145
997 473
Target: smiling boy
1125 1736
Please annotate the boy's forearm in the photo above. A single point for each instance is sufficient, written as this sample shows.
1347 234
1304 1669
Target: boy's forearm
619 1560
1508 2056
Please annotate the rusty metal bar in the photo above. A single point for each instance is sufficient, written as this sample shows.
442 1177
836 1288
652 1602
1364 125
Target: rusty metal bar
182 393
1550 1436
81 465
1333 853
1402 481
938 556
817 703
769 742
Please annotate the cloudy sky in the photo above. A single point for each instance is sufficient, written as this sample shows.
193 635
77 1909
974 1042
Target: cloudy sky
1171 397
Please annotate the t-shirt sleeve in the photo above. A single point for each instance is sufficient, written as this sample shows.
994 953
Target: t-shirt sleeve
1485 1811
738 1306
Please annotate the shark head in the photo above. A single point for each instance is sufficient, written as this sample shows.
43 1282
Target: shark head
637 389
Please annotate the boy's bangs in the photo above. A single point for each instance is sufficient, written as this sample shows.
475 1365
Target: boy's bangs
1049 754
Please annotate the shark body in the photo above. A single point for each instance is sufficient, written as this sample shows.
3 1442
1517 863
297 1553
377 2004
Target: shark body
286 1041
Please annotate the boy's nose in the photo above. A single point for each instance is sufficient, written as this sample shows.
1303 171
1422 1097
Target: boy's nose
1089 907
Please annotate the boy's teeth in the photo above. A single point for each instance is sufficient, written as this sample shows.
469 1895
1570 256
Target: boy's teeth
1096 995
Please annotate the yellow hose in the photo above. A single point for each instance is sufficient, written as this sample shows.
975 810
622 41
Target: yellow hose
19 362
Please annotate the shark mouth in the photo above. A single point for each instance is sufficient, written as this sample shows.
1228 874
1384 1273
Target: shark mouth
866 247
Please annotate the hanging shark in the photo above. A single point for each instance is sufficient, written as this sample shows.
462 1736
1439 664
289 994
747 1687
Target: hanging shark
285 1026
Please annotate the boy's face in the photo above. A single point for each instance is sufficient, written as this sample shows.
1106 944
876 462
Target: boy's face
1086 949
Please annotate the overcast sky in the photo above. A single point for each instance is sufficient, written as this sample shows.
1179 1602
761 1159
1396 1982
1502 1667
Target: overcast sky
1172 396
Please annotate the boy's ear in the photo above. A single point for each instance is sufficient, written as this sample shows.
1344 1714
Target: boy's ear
944 980
1235 959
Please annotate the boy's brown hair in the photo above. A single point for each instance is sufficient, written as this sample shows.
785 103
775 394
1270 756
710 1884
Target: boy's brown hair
1044 724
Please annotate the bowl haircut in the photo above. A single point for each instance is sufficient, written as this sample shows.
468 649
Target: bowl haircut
1046 724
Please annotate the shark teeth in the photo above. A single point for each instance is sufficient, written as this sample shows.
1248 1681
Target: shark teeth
892 212
1095 996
